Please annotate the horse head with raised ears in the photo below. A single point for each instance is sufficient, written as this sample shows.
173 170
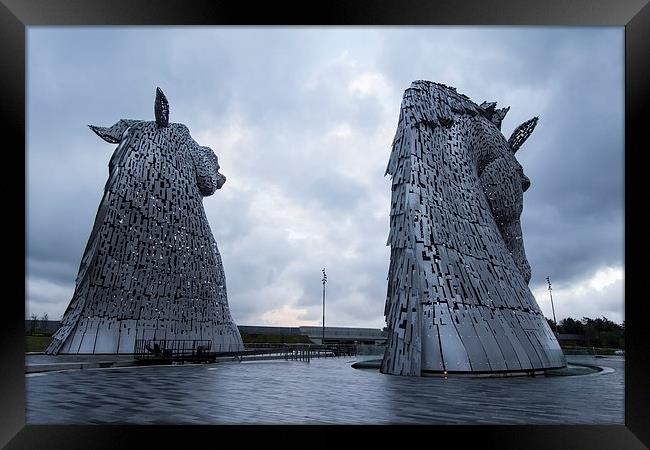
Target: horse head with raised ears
171 137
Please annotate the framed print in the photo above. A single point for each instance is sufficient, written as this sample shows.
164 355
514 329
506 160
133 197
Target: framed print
357 215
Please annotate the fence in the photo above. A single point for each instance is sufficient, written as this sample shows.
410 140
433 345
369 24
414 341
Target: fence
596 351
172 348
315 350
201 350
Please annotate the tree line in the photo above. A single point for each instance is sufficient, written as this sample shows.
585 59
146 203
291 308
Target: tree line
600 332
38 326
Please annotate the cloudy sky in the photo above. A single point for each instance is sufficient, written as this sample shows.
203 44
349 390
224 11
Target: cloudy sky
302 119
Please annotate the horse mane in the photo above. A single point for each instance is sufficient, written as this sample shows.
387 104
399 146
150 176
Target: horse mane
438 105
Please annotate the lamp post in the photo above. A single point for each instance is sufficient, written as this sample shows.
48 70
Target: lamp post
548 280
324 280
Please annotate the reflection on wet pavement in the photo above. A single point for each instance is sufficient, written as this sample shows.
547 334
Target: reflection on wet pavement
324 391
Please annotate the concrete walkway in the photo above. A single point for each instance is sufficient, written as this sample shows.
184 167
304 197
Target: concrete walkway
38 362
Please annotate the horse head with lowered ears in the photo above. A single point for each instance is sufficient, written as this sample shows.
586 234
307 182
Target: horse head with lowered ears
458 299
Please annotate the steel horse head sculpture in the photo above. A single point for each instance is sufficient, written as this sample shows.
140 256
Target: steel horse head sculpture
151 268
458 299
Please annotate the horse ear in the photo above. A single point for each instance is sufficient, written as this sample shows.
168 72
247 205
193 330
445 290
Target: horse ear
494 115
499 115
161 109
114 133
488 106
521 133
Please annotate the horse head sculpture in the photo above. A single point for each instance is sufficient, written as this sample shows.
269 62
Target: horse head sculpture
458 297
151 270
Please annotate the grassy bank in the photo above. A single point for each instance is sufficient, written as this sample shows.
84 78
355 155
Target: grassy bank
40 343
37 343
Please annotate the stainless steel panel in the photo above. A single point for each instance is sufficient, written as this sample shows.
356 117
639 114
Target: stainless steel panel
454 355
495 357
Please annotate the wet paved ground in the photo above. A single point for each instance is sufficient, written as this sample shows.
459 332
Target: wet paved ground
324 391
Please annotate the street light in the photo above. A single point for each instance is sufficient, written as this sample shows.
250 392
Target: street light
324 280
548 280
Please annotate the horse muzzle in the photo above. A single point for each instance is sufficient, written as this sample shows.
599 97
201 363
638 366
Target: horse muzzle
221 179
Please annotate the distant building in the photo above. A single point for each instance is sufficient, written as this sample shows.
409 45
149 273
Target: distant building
342 335
370 336
315 333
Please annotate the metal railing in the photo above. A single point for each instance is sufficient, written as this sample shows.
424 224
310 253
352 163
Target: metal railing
172 348
595 351
202 350
314 350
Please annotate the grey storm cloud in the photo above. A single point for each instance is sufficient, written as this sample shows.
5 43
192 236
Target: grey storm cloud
302 119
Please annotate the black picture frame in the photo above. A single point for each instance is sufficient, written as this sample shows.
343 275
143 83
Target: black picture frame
634 15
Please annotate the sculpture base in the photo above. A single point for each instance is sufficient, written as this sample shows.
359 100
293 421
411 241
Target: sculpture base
376 364
497 374
114 336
